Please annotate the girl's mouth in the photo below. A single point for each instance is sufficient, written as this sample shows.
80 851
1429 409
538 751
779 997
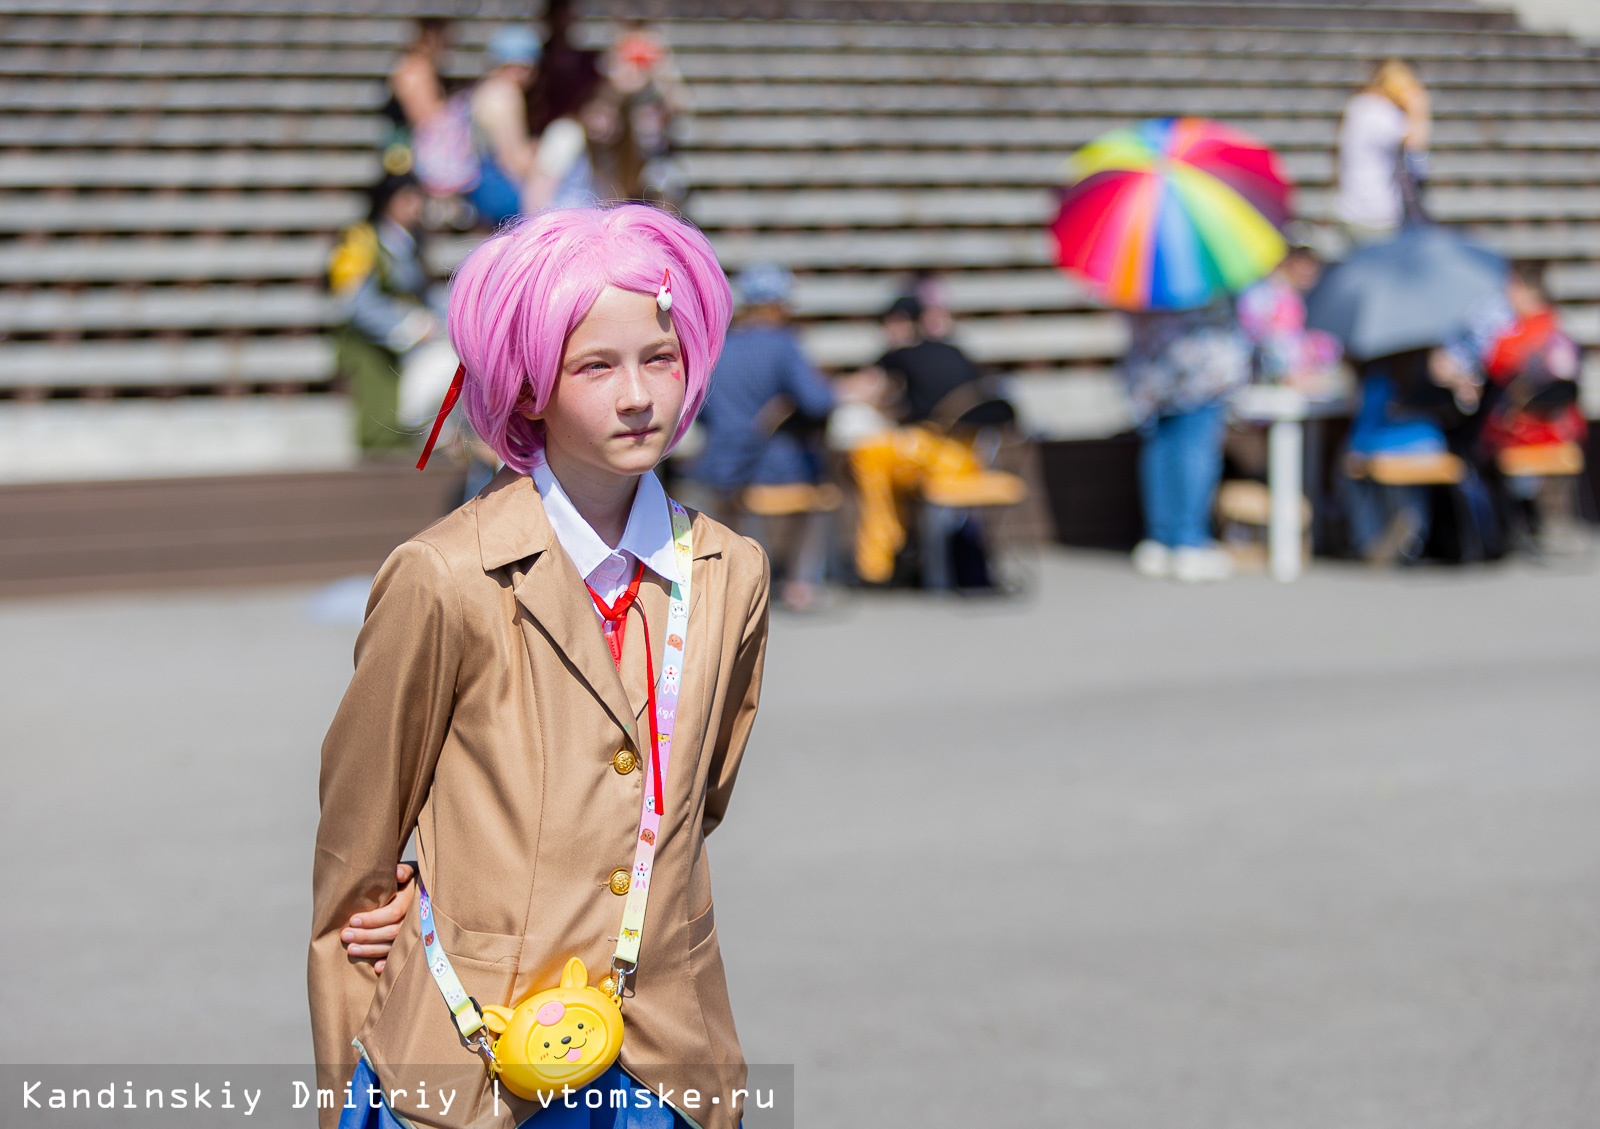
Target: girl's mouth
642 433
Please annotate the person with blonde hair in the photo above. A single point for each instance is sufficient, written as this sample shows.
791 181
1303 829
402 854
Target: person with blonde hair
1383 154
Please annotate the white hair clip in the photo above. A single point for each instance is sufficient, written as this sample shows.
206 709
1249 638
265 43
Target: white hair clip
664 294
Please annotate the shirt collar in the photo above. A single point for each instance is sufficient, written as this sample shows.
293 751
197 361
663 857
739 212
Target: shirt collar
647 536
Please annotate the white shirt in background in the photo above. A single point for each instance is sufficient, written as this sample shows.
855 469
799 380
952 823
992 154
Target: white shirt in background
1370 138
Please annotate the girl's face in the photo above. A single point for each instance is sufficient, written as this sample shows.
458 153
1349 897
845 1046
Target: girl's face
620 390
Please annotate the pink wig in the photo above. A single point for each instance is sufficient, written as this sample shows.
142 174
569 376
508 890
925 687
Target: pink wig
521 293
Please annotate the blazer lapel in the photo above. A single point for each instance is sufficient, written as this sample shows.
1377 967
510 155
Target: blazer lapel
512 529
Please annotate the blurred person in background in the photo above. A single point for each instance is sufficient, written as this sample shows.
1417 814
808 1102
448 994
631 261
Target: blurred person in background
389 306
587 156
1529 369
507 156
568 74
416 87
1272 314
1383 154
641 69
905 389
1180 367
432 134
763 422
927 368
1399 413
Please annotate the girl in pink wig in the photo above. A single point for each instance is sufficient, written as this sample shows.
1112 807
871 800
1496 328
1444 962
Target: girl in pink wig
553 689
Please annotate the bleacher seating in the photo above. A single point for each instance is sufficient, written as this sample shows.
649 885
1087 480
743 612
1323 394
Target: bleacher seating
172 173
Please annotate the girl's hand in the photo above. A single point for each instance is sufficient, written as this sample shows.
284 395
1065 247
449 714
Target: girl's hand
371 933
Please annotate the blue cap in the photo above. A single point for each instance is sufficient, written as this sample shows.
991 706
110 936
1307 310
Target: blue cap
761 283
514 43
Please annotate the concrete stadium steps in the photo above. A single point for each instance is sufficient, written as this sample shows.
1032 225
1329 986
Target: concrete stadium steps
713 170
777 132
198 65
312 132
1264 37
231 170
1030 207
214 530
1423 15
59 214
75 261
187 362
1221 99
172 171
83 439
216 308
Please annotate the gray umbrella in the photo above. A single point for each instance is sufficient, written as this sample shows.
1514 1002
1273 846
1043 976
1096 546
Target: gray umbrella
1418 290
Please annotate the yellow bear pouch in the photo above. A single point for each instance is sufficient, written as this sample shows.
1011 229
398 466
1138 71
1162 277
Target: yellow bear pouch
561 1037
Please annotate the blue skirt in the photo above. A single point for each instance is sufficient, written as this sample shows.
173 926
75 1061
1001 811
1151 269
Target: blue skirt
643 1110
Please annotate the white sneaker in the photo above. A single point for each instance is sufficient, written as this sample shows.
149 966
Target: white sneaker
1201 564
1152 559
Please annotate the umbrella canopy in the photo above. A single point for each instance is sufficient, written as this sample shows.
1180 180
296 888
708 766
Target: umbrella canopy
1418 290
1172 212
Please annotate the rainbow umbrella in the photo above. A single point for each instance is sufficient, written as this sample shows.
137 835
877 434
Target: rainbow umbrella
1170 213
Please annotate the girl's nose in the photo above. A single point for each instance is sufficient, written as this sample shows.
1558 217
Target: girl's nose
633 396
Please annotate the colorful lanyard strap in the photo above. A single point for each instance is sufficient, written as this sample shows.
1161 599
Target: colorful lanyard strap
663 694
664 716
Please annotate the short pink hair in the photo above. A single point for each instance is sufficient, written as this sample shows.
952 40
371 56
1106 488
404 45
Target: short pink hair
518 296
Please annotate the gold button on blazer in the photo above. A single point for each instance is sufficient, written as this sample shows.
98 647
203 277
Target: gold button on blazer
485 713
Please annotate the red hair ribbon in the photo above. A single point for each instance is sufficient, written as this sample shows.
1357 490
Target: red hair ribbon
450 397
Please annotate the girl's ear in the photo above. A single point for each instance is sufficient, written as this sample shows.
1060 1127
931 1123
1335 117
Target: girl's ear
524 405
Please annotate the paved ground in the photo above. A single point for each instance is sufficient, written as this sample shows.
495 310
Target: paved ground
1128 856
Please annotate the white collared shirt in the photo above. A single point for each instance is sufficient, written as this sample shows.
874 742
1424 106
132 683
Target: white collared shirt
647 536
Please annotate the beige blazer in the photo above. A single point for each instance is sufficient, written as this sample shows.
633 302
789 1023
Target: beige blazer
485 713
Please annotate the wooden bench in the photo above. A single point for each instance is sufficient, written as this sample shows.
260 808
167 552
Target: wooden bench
1408 470
1547 460
1244 504
790 499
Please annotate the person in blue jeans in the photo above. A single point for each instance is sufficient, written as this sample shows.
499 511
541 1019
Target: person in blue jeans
1179 369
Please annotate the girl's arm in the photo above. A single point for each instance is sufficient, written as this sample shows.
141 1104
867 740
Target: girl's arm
377 765
744 690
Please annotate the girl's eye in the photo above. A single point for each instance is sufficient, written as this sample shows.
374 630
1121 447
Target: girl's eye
669 358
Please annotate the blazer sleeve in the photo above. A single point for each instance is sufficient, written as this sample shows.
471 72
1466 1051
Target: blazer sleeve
377 765
744 693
